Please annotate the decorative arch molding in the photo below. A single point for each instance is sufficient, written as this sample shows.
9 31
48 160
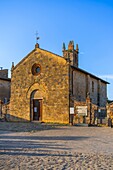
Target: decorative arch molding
36 94
36 89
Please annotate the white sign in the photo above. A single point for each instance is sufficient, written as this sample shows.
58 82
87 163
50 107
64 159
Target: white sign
99 110
71 110
35 109
81 110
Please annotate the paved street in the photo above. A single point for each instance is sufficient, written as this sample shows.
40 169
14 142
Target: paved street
45 147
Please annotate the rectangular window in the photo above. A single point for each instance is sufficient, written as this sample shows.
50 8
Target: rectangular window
92 86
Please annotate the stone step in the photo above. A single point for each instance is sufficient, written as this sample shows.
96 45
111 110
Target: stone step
81 124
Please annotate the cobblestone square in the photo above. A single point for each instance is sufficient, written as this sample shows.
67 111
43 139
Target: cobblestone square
32 146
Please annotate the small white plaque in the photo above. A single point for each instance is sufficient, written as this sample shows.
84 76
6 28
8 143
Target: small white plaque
71 110
35 109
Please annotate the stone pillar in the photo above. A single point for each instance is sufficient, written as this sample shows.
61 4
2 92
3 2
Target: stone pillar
89 108
12 68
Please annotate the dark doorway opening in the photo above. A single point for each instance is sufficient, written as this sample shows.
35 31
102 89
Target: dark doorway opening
37 108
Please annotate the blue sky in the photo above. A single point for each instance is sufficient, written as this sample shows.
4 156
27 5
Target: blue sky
87 22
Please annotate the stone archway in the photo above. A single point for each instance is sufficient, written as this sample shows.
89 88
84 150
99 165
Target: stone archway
36 106
36 87
35 94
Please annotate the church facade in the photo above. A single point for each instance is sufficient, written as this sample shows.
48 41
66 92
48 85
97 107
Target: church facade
40 88
46 87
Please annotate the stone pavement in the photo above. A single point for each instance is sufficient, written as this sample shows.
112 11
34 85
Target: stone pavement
46 147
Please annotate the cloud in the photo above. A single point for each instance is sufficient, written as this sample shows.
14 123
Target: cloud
109 76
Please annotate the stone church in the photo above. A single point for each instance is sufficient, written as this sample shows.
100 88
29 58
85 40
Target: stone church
47 87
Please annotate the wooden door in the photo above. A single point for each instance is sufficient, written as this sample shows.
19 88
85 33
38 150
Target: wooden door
36 109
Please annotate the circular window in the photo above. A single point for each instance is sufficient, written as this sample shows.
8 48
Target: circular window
36 69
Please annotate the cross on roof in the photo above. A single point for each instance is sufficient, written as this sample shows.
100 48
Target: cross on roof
37 38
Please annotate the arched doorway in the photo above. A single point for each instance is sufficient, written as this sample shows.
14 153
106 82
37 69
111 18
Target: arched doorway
36 106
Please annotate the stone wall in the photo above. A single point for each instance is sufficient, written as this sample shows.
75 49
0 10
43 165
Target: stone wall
4 73
110 110
92 116
79 86
82 84
93 90
4 111
0 108
103 94
52 86
4 89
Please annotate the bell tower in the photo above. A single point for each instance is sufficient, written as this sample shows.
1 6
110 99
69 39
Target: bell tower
71 53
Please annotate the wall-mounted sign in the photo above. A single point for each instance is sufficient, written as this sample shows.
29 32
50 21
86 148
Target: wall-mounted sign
99 110
71 110
81 110
35 109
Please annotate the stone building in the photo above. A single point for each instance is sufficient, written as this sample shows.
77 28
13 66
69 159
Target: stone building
110 113
46 87
88 93
5 83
